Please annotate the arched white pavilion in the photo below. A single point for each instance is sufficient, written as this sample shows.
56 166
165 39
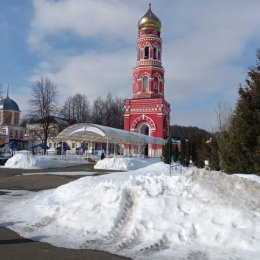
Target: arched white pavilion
132 142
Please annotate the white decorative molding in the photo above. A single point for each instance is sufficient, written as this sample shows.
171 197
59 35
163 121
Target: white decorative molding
143 118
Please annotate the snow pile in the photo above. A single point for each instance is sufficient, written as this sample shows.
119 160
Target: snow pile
21 160
28 161
145 214
124 164
251 177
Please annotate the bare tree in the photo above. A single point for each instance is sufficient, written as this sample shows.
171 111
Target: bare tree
108 103
76 108
224 114
108 112
67 109
43 105
98 113
117 113
224 117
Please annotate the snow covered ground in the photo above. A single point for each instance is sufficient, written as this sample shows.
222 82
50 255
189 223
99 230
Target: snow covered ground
124 164
26 160
145 214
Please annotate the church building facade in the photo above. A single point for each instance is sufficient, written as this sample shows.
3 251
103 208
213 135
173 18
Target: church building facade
147 112
10 128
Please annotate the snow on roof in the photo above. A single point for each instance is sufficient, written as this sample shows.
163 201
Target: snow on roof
99 133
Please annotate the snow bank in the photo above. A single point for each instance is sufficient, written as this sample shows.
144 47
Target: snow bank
27 161
145 214
251 177
124 164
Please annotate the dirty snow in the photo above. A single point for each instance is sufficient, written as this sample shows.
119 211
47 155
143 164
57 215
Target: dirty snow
251 177
124 164
145 214
26 160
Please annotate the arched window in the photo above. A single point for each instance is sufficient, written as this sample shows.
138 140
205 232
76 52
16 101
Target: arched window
155 53
155 85
145 84
160 87
146 52
144 129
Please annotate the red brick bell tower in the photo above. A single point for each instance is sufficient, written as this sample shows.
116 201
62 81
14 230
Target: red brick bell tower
148 112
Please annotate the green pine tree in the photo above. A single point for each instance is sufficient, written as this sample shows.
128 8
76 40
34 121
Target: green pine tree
167 151
213 155
176 153
185 152
198 149
243 138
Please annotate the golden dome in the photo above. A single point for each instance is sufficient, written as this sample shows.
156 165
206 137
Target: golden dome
149 20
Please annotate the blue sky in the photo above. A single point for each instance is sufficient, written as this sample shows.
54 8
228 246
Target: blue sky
88 47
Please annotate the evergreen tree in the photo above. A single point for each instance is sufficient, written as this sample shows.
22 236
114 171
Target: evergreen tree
200 150
243 137
192 147
167 151
197 146
212 153
185 152
176 153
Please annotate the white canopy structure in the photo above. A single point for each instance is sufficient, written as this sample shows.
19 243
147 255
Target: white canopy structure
103 134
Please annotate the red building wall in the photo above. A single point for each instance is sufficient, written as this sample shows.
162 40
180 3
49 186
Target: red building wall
148 106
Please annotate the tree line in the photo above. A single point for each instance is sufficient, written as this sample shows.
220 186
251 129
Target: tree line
43 103
107 111
235 146
239 141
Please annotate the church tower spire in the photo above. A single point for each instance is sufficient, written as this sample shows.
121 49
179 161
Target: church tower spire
148 73
148 112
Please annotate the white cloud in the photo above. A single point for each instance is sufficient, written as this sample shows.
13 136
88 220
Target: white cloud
203 42
83 18
93 74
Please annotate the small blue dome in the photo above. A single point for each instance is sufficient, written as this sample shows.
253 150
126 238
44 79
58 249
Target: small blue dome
8 104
